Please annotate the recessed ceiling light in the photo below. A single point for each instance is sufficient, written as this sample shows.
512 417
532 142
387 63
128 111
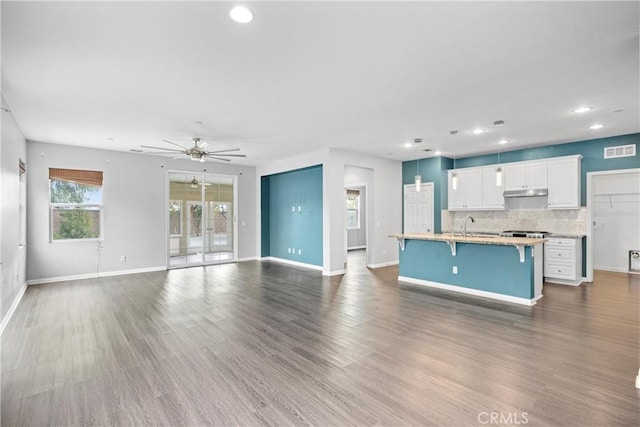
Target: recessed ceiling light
581 110
407 145
437 153
596 126
241 15
503 141
477 131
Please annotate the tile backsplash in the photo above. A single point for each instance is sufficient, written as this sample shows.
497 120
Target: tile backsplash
570 221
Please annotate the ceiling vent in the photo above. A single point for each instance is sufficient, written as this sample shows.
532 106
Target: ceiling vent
620 151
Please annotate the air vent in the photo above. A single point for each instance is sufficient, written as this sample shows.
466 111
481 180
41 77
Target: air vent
620 151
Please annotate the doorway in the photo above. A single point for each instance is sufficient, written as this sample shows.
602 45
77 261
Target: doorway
418 208
613 220
202 226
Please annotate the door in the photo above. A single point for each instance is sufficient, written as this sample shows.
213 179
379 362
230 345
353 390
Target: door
202 219
418 208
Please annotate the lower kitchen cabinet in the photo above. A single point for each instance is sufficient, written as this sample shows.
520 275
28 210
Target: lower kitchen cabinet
563 261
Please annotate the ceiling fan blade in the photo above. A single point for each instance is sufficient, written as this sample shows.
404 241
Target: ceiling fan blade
178 145
159 152
228 155
162 148
202 144
218 158
223 151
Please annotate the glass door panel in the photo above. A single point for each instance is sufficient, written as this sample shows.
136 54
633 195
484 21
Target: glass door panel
219 219
201 220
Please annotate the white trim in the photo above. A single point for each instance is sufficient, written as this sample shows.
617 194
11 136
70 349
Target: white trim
352 248
94 275
469 291
334 272
249 258
612 269
638 379
589 201
563 281
12 309
383 264
294 263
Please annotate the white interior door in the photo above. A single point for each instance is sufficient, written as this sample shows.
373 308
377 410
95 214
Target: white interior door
418 208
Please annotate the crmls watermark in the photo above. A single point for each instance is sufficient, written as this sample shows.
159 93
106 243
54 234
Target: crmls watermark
503 418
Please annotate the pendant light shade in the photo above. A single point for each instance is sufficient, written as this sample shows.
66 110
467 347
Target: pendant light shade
418 177
499 176
454 181
418 182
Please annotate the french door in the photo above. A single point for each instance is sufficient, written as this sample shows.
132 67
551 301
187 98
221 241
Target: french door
202 220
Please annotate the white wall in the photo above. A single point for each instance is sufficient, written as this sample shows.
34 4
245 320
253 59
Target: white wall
385 200
134 198
12 255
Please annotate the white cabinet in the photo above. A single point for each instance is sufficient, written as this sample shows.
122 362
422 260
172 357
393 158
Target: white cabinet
525 175
468 192
564 182
563 261
492 198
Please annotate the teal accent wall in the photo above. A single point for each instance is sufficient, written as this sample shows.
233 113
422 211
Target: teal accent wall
491 268
433 170
592 152
265 218
283 228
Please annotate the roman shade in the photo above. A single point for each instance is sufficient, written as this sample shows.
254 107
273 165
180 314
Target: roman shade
77 176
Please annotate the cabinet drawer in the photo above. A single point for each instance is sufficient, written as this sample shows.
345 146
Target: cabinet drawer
558 253
560 271
561 242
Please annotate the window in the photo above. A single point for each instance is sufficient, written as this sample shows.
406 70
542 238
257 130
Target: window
75 204
175 217
353 209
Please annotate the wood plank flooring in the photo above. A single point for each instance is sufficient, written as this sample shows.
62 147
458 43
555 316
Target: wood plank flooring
268 344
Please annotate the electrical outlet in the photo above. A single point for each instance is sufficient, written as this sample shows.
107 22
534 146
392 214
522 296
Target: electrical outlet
455 269
123 258
299 251
289 250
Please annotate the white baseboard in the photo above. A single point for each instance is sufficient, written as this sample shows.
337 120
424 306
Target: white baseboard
612 269
334 272
353 248
94 275
251 258
564 282
12 309
383 264
295 263
469 291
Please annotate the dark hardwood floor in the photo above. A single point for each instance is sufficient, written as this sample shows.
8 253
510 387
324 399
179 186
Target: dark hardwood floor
264 344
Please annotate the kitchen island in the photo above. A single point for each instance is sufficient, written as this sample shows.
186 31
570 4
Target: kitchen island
503 268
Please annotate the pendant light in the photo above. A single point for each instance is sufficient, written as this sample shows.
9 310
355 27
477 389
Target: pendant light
499 170
418 177
454 177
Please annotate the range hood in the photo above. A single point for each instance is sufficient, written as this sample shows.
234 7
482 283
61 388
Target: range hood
530 192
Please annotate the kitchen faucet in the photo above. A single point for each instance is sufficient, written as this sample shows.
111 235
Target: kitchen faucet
469 217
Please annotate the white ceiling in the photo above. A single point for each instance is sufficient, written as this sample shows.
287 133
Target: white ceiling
366 76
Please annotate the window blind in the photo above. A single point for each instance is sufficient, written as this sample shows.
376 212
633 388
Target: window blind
77 176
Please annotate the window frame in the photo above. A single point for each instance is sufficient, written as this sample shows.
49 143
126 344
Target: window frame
81 206
181 218
356 210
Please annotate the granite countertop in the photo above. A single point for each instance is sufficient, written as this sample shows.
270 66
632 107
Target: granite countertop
566 235
479 239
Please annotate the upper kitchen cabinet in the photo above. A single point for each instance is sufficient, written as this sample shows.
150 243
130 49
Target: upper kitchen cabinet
468 192
525 176
564 182
492 198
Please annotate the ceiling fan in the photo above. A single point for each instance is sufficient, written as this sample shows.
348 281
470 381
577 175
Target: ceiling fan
197 153
194 183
